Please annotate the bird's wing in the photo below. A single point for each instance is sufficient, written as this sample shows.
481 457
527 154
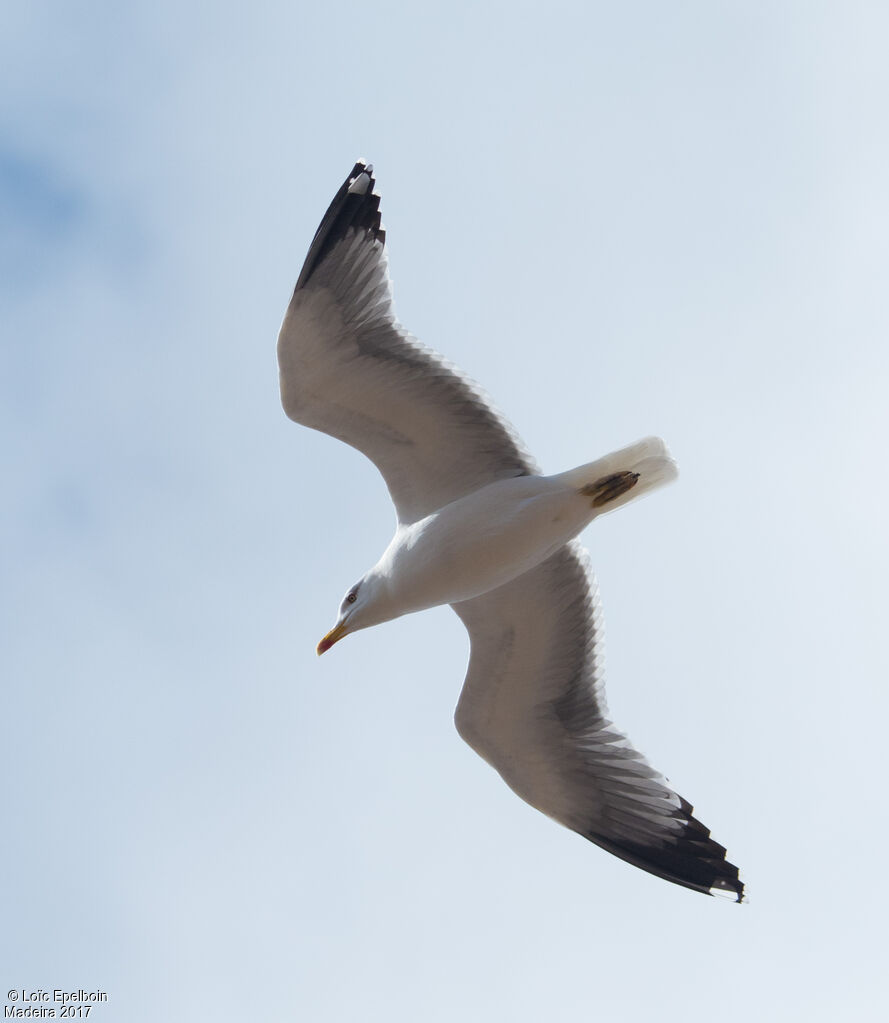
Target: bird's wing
348 368
533 706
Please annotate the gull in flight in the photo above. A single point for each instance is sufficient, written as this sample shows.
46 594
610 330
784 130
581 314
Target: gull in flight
480 528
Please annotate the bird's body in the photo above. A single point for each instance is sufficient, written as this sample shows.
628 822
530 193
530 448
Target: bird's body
479 542
483 540
481 529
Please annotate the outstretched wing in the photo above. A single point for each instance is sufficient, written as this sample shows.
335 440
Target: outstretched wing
348 368
533 706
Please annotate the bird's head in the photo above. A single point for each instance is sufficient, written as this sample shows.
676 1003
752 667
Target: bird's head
361 607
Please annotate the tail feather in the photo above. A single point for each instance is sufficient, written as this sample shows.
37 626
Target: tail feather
624 475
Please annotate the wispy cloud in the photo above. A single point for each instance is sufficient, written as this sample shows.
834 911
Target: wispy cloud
42 209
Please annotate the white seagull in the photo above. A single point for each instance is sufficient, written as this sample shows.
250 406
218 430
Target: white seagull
481 529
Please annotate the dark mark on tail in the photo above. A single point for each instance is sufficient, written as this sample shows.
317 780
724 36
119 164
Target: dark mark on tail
608 488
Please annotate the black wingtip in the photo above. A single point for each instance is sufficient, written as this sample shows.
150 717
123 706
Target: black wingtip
356 206
691 859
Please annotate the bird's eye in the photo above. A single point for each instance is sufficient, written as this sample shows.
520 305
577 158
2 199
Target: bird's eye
352 598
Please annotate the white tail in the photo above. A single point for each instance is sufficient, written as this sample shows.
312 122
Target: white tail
624 475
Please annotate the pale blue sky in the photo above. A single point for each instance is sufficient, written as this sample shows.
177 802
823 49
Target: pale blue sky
621 219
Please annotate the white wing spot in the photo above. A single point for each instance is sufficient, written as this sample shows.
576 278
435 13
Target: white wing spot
360 185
